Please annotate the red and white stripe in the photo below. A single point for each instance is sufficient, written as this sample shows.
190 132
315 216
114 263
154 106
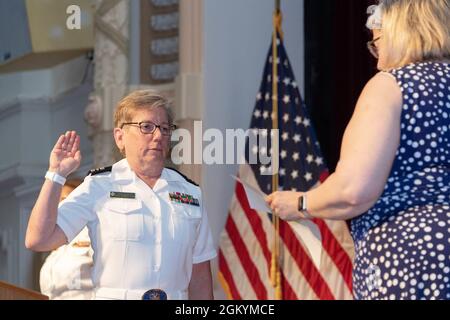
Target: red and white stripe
245 255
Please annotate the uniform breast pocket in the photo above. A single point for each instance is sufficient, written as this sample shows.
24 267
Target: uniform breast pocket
125 220
186 220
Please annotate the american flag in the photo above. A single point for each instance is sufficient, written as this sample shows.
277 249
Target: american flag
246 242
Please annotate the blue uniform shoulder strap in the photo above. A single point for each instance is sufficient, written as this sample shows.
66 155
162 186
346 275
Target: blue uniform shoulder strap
93 172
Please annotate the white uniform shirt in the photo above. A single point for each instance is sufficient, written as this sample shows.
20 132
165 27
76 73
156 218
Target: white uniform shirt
142 242
66 272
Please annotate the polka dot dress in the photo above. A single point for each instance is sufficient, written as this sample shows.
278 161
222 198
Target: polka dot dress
402 243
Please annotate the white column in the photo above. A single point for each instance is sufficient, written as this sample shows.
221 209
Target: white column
189 83
111 76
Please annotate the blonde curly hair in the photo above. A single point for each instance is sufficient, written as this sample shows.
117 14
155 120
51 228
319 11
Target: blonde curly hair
414 31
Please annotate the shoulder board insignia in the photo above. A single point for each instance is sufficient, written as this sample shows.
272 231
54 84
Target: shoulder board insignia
93 172
186 178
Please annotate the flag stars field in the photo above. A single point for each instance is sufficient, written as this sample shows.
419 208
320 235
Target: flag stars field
306 122
308 176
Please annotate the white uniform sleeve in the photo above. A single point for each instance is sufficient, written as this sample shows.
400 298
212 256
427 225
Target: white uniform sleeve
204 246
78 209
45 276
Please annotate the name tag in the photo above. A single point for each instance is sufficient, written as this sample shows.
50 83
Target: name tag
123 195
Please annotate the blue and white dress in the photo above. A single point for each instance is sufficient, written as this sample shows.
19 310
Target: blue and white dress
402 243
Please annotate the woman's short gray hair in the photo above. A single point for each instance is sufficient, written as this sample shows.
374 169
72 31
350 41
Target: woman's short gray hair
140 100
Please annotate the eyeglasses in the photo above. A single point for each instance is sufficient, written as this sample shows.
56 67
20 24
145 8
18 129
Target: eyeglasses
148 127
373 49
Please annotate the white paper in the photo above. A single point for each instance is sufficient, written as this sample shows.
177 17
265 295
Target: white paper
306 229
255 197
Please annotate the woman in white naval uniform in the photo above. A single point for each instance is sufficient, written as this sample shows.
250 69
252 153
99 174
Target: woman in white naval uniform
147 224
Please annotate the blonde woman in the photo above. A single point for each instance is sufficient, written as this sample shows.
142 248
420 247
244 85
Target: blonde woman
393 176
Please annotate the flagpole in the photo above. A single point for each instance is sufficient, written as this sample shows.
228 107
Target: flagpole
275 273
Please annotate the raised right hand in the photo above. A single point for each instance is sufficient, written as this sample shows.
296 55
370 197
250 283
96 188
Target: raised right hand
66 156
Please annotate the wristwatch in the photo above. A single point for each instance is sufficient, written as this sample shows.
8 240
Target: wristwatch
53 176
302 206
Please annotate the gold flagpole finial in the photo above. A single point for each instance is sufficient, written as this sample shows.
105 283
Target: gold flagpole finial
278 18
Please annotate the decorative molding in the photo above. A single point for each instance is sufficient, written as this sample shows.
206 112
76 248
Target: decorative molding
20 179
94 110
10 109
111 67
9 179
41 104
42 83
24 105
159 42
112 33
110 76
30 186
